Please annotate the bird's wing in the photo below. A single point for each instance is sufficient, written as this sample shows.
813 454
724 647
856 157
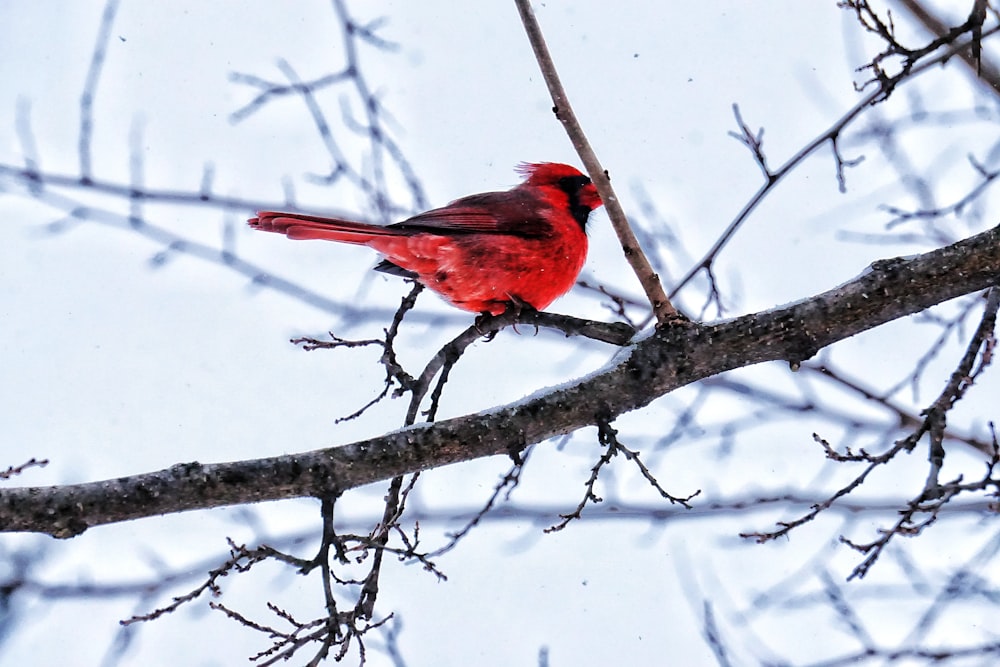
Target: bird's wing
512 213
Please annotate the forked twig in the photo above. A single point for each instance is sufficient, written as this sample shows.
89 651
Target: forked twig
832 134
607 436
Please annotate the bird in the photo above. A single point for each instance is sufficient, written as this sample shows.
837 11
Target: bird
483 253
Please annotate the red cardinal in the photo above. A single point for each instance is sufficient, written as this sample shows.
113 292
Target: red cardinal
524 246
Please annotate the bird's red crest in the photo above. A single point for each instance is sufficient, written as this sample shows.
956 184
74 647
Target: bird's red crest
546 173
572 181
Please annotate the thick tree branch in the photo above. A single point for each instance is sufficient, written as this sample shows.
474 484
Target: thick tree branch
668 358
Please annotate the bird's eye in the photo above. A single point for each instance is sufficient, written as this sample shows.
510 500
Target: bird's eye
573 184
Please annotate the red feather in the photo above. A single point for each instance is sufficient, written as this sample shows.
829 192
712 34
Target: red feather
526 245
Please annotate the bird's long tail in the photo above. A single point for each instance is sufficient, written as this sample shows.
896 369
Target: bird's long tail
300 227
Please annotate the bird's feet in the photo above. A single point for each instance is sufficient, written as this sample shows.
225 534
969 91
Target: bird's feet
515 309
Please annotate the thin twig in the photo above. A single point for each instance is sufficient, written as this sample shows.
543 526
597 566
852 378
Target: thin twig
11 471
831 134
90 87
650 281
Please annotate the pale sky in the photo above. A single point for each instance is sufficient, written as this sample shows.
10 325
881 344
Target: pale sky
114 363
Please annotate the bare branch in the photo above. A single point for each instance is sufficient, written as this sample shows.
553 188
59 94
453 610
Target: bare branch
935 494
662 308
90 87
672 357
17 470
832 134
608 438
987 71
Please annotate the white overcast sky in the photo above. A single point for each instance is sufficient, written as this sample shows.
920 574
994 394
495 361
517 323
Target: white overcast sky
110 366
